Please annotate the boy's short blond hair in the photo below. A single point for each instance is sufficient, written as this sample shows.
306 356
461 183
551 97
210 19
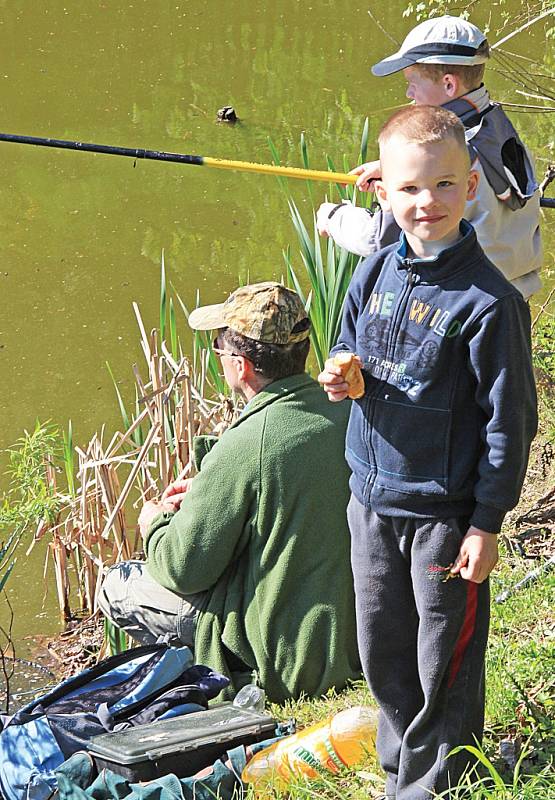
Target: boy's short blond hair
471 75
423 125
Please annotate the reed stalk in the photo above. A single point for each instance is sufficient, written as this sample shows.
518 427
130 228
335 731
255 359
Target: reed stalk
325 268
91 521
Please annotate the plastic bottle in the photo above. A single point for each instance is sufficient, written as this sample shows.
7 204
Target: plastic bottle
250 698
329 746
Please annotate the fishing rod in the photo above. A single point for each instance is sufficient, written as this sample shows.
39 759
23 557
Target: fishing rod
179 158
199 161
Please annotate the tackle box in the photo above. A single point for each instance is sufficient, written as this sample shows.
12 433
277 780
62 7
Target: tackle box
180 745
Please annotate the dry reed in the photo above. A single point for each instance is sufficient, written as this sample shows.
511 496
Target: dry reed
96 524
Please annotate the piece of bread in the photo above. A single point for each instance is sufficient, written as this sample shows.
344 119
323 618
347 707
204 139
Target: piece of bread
350 370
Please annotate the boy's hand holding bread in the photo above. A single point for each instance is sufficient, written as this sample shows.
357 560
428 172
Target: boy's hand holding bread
342 377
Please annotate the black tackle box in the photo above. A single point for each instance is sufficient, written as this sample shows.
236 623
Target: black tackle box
181 745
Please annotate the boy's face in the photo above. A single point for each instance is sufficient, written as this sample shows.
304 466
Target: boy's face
426 187
424 91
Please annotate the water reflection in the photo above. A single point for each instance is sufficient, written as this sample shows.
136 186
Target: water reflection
81 234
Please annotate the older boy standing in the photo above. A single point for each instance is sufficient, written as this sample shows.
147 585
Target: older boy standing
438 447
443 61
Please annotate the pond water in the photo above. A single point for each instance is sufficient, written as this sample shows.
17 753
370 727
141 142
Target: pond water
82 234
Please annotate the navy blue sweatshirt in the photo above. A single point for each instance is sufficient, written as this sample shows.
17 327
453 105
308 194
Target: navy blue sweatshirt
445 425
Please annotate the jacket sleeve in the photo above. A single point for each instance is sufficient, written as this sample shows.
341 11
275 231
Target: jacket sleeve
501 361
190 550
360 231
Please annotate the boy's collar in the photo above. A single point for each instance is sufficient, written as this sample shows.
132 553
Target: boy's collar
445 264
470 107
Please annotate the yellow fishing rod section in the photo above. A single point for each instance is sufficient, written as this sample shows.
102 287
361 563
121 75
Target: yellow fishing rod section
282 172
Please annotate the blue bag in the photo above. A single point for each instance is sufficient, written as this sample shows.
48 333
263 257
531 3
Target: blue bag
132 688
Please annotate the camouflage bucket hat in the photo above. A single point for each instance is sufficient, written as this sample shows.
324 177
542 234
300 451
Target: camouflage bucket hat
266 312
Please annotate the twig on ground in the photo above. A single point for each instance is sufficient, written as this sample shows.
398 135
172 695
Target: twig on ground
9 645
539 507
544 305
528 579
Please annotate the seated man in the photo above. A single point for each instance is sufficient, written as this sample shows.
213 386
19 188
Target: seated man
253 571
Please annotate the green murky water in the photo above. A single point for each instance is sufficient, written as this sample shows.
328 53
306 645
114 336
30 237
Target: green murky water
81 235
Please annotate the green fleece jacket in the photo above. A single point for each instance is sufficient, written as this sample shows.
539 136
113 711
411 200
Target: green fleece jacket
263 530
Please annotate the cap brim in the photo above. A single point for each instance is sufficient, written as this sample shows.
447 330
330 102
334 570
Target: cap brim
208 318
388 66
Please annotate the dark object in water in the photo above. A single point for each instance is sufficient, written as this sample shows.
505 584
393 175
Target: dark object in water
227 114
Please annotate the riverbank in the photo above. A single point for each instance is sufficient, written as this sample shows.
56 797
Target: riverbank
521 674
520 721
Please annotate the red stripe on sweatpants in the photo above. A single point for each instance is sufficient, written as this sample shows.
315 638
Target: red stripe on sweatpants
466 633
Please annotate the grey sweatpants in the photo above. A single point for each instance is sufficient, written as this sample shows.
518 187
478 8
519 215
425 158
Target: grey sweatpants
422 643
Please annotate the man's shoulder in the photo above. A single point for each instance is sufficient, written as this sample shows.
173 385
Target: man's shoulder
303 435
297 414
301 395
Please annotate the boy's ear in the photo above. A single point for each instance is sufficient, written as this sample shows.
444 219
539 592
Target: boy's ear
381 194
473 180
452 85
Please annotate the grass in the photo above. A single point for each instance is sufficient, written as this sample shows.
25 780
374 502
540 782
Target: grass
31 496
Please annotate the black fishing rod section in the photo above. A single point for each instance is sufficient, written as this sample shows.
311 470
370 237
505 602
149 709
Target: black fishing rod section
130 152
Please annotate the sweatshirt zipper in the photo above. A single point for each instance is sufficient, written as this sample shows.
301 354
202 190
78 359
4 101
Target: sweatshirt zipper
411 281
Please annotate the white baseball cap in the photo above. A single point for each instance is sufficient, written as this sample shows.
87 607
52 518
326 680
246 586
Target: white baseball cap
440 40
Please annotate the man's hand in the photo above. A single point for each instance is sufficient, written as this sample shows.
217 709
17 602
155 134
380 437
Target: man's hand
150 510
367 174
175 492
477 557
323 218
333 382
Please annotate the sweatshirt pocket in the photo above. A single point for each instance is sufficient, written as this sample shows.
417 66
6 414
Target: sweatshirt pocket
410 443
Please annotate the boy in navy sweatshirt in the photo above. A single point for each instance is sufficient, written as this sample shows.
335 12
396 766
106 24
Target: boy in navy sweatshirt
438 448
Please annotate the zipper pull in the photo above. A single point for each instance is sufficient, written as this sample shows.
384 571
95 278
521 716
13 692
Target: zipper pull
412 276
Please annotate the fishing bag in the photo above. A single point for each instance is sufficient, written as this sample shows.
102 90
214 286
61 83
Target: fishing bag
129 689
